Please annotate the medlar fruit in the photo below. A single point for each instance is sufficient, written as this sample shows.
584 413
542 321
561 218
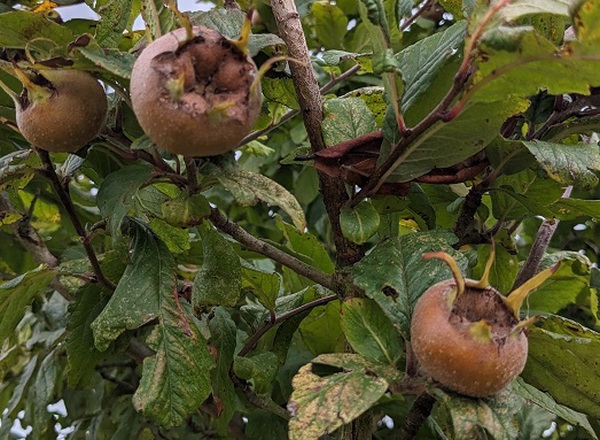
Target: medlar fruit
467 336
195 92
59 110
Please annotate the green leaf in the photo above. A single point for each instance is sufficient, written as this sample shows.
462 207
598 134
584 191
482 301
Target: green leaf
148 279
395 275
218 282
568 164
223 339
585 18
519 63
515 10
549 404
263 424
563 361
308 246
185 211
321 330
248 187
116 193
266 286
446 144
23 382
21 29
42 393
570 209
453 6
330 24
112 60
177 379
504 268
421 62
114 16
563 288
16 295
322 403
360 222
261 369
524 194
82 355
370 332
373 96
176 239
159 19
477 418
345 119
280 90
229 23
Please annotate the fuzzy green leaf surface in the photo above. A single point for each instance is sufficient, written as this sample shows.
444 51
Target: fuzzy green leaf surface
218 282
345 119
568 164
563 361
370 332
360 222
148 279
395 275
322 403
116 193
248 187
17 294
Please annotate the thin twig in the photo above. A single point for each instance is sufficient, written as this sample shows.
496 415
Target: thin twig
28 236
192 178
264 402
538 248
251 342
420 410
254 244
442 112
410 20
62 194
309 97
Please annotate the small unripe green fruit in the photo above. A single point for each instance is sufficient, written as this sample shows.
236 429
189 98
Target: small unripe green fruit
70 114
197 97
468 344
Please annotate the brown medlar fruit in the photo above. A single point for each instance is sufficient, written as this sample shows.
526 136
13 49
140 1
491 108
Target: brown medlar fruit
59 110
195 92
467 336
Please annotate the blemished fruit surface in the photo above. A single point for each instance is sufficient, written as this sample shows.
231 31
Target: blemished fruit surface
72 115
196 97
467 344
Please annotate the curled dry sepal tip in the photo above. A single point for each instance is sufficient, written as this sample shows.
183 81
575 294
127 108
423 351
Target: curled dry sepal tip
468 336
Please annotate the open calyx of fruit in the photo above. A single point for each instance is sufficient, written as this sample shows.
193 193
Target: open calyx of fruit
196 92
468 336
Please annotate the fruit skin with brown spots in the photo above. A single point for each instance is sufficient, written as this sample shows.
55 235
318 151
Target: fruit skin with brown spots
196 97
446 349
72 115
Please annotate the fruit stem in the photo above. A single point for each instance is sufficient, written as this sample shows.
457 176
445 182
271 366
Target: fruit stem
517 297
453 265
484 282
63 195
